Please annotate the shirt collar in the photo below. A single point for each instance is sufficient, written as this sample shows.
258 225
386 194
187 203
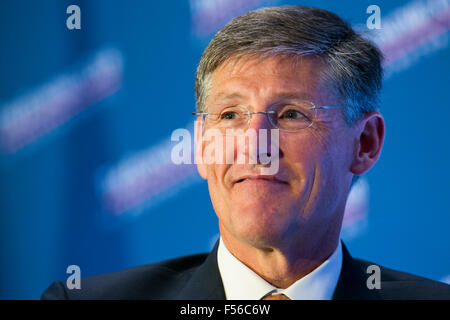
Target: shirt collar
242 283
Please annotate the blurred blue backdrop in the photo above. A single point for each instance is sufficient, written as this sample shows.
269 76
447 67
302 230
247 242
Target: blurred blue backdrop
86 118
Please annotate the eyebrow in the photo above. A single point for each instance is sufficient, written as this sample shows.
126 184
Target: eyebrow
224 96
291 96
282 95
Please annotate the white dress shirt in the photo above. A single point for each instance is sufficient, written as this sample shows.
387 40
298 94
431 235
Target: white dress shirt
242 283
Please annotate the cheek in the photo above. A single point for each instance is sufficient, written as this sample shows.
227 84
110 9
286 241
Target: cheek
217 186
301 156
312 160
314 149
215 178
325 159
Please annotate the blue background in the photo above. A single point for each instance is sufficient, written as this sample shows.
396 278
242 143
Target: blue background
49 190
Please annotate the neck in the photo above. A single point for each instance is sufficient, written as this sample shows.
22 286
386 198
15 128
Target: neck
284 264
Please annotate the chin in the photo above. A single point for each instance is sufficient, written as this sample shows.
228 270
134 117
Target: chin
258 226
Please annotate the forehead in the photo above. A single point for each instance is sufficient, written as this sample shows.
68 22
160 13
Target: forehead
269 77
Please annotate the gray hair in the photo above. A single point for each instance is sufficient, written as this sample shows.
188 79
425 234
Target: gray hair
353 71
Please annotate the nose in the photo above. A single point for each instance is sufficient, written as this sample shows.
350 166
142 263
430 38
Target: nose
261 145
259 120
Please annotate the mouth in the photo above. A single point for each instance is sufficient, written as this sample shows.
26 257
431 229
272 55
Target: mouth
259 179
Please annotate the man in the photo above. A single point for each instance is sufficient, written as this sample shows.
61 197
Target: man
305 75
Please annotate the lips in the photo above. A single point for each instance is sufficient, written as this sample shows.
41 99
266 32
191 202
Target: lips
259 178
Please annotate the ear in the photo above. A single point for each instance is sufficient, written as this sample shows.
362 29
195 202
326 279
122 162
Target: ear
199 145
369 142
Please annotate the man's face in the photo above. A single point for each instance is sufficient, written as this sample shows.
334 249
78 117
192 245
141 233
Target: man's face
306 197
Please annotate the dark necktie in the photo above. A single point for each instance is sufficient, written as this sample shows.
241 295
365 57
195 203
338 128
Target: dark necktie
275 296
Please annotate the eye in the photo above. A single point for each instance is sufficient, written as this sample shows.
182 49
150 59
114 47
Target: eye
229 115
292 114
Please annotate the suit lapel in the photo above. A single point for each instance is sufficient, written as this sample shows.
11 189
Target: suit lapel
205 282
352 283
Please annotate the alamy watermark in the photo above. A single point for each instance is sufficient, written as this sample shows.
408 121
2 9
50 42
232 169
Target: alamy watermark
374 20
74 280
374 280
74 20
234 146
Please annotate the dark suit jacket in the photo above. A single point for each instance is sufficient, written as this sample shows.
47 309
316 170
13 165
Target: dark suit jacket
197 277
